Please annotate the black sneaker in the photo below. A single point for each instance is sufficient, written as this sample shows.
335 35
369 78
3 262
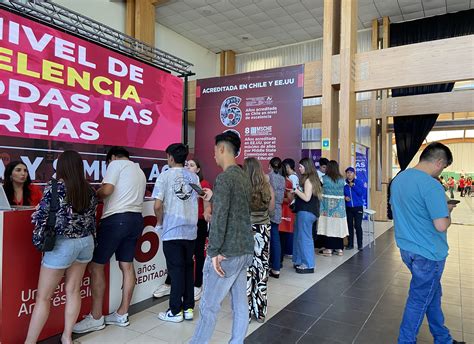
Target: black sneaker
302 269
456 342
274 275
349 247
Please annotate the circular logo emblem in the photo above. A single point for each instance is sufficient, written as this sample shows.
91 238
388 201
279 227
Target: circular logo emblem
181 188
230 113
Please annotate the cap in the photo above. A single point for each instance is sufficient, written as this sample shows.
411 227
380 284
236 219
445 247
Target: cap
350 169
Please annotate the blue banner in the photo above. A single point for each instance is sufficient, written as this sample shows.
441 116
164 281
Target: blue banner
362 170
361 166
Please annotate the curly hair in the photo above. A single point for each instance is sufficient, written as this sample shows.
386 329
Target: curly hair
261 194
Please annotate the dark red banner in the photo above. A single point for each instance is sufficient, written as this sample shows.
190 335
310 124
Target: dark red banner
265 108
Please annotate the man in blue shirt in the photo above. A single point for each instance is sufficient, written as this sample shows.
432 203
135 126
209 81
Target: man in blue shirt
422 216
354 197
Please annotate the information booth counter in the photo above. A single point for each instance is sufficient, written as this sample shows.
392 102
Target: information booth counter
20 267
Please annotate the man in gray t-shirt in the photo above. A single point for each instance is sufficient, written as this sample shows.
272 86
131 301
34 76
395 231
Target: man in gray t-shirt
230 244
176 210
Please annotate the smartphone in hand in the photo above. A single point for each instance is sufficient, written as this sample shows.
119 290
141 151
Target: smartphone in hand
453 201
198 190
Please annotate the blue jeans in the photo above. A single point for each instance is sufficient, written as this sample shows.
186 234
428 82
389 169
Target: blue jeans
215 290
424 297
275 248
303 246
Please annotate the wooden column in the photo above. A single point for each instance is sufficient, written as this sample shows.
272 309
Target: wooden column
347 99
130 18
330 101
373 128
380 157
227 62
140 19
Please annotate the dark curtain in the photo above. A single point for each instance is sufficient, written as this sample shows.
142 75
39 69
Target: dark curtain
411 131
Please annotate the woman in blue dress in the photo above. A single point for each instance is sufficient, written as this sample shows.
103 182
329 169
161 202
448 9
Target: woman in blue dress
332 226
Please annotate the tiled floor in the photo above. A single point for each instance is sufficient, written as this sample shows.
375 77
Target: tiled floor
357 298
362 301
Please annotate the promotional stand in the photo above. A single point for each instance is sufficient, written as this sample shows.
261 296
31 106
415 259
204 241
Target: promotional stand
70 83
20 267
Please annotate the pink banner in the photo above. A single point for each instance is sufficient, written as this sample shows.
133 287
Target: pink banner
55 86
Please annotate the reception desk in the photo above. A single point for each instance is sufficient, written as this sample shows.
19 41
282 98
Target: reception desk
20 266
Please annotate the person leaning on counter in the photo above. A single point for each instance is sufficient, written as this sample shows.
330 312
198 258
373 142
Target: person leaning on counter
18 187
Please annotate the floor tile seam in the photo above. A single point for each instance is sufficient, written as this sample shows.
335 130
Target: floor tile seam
373 309
319 318
282 327
370 265
292 311
381 254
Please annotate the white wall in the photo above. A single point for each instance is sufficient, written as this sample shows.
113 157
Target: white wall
463 161
104 11
205 61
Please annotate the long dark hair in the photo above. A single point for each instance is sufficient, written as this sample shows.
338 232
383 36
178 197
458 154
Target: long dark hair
287 162
70 168
311 174
275 163
333 171
8 183
198 165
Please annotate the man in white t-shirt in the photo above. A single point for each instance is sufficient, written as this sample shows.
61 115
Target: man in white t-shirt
176 209
123 190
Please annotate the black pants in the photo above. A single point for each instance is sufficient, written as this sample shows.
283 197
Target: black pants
179 260
354 219
199 249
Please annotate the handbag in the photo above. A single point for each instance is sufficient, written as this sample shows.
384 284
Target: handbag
45 238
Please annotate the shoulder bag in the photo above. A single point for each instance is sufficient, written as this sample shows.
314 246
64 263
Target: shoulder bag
46 237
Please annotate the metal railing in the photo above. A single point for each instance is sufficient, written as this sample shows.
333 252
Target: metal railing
72 22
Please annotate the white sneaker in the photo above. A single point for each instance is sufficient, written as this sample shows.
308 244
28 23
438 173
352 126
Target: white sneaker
168 316
197 293
189 314
163 290
89 324
117 319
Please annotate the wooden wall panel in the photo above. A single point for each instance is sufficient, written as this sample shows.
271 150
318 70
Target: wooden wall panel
431 62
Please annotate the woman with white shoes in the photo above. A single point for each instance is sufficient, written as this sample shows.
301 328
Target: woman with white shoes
74 245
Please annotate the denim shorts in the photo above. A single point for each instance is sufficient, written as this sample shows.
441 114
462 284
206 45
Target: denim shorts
67 251
118 234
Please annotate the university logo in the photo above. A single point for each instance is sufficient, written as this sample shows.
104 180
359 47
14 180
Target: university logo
230 113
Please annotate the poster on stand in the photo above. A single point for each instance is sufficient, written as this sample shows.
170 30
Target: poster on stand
264 108
362 170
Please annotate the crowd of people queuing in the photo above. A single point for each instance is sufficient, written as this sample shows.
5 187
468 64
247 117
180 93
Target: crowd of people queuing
226 238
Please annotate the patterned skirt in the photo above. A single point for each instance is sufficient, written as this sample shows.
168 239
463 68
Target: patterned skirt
332 220
257 273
